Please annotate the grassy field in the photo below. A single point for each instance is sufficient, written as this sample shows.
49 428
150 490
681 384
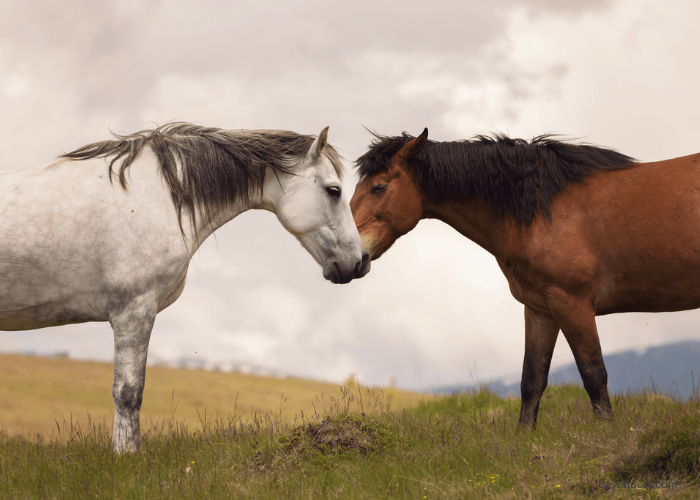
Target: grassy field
36 393
462 446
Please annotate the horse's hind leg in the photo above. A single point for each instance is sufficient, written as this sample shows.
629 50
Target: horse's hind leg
576 317
132 325
540 337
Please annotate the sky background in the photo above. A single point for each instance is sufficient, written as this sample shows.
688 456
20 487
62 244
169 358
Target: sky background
435 309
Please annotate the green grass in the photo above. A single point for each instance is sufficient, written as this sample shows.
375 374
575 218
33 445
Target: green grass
462 446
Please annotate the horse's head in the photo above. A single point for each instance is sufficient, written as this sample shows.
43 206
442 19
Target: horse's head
310 204
388 204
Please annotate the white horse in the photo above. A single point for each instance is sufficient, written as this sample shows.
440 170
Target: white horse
76 246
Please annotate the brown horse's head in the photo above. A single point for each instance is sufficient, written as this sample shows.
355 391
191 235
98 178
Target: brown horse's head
388 204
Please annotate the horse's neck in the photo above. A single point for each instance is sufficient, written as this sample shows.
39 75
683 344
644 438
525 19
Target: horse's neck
205 226
473 217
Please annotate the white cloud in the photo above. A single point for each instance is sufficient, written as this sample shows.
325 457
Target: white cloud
16 86
435 308
214 99
254 345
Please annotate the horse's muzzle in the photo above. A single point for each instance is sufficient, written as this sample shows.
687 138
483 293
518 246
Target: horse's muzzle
340 274
364 266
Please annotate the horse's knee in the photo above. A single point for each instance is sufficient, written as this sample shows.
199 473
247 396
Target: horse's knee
127 398
531 388
127 429
534 379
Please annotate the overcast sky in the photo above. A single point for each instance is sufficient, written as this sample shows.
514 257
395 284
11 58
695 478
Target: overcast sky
435 309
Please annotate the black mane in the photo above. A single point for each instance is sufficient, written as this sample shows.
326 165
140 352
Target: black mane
204 167
510 173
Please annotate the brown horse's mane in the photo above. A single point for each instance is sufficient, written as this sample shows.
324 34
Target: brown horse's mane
216 167
517 176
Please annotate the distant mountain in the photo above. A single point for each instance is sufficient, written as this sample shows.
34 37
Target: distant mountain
667 368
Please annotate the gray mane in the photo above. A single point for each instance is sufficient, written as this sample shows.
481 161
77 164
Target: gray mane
218 167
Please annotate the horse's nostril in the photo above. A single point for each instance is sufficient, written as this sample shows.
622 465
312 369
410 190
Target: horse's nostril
362 267
338 275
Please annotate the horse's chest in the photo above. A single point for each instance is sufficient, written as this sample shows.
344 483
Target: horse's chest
522 284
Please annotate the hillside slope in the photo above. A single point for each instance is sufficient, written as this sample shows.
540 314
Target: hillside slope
36 393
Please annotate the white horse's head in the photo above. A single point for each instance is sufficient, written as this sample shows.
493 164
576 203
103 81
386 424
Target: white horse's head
310 204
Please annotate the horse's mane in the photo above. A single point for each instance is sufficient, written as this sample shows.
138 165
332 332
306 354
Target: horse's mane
515 175
204 167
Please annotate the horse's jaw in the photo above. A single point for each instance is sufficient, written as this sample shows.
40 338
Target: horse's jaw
321 223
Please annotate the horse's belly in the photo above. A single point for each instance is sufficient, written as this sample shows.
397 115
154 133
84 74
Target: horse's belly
647 303
648 292
43 316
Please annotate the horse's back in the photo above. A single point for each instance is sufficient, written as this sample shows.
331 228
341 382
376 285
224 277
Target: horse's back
628 238
649 243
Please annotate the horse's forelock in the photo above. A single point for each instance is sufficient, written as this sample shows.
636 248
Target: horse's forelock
377 159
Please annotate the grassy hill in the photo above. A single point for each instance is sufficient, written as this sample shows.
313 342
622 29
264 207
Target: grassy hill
347 444
460 446
36 393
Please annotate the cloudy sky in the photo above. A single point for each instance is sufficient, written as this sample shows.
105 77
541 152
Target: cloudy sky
435 309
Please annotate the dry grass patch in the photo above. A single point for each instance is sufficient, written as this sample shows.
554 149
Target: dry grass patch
39 395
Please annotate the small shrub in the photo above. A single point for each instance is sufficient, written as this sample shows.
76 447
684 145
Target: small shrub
340 434
670 449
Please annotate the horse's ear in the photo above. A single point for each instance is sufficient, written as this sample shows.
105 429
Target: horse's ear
414 146
318 145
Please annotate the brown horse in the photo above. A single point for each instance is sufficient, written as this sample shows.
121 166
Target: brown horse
577 230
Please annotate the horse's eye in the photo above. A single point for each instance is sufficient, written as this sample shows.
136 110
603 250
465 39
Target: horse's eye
378 188
333 191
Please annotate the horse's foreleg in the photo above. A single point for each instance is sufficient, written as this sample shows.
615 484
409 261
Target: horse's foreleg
576 317
540 337
132 326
